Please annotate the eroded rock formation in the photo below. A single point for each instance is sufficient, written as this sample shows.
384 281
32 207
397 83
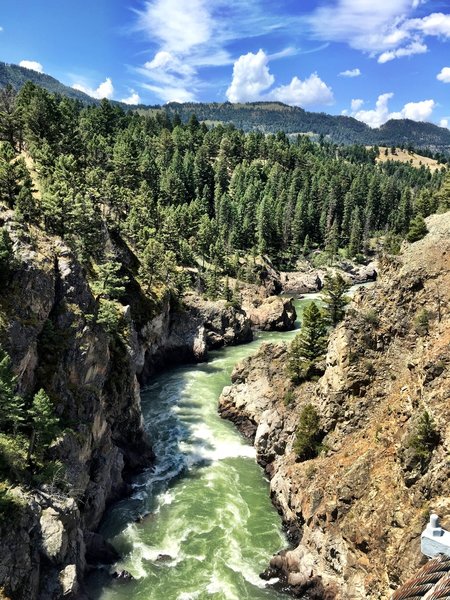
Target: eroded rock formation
354 514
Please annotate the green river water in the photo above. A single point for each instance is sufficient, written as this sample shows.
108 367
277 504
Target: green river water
210 527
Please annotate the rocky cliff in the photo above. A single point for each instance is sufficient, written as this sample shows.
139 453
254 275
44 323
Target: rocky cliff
354 514
47 326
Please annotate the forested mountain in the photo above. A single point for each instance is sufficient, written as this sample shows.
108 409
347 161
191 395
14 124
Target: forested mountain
267 117
270 117
17 77
181 190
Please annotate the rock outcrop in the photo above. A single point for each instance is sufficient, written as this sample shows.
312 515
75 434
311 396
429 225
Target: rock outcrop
49 330
354 514
308 279
274 313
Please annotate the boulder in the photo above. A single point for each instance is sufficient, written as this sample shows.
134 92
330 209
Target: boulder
273 314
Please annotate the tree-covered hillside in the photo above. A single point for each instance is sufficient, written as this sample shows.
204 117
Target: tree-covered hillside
270 117
267 117
179 192
17 77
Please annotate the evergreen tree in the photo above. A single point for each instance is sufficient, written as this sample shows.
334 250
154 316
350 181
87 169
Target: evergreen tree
334 297
6 255
308 345
417 230
11 404
109 283
44 424
356 234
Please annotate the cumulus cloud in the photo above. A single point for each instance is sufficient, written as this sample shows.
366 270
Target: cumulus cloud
444 75
378 115
252 81
356 104
133 98
413 48
310 91
436 24
416 111
104 90
199 34
251 76
444 122
32 64
350 73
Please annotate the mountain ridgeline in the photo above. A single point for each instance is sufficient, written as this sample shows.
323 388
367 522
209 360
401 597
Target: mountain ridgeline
270 117
267 117
17 77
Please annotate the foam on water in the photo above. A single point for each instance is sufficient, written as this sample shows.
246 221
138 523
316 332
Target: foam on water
206 526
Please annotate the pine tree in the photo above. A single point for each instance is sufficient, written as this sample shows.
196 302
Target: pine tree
11 404
308 345
417 230
334 297
355 244
43 424
6 255
109 284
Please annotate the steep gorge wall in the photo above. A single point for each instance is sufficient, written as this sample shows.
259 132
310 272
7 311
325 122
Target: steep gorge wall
355 513
47 327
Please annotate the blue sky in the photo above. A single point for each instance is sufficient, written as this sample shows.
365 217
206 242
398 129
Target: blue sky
372 59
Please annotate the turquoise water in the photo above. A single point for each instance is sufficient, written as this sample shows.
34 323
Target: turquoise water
200 524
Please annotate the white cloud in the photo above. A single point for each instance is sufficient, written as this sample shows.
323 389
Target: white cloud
133 98
356 104
170 94
416 111
350 73
444 75
415 47
252 81
1 29
199 34
437 24
104 90
363 24
384 28
377 116
444 122
178 30
32 64
251 76
310 91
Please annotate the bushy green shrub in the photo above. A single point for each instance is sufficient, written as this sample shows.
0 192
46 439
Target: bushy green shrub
417 229
308 435
423 439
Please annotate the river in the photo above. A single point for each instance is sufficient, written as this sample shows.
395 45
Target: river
200 524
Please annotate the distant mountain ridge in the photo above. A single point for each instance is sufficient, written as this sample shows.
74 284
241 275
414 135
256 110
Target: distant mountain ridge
18 76
271 117
268 117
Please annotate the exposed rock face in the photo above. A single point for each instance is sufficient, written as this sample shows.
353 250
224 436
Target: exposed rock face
354 514
309 280
186 334
49 331
272 314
